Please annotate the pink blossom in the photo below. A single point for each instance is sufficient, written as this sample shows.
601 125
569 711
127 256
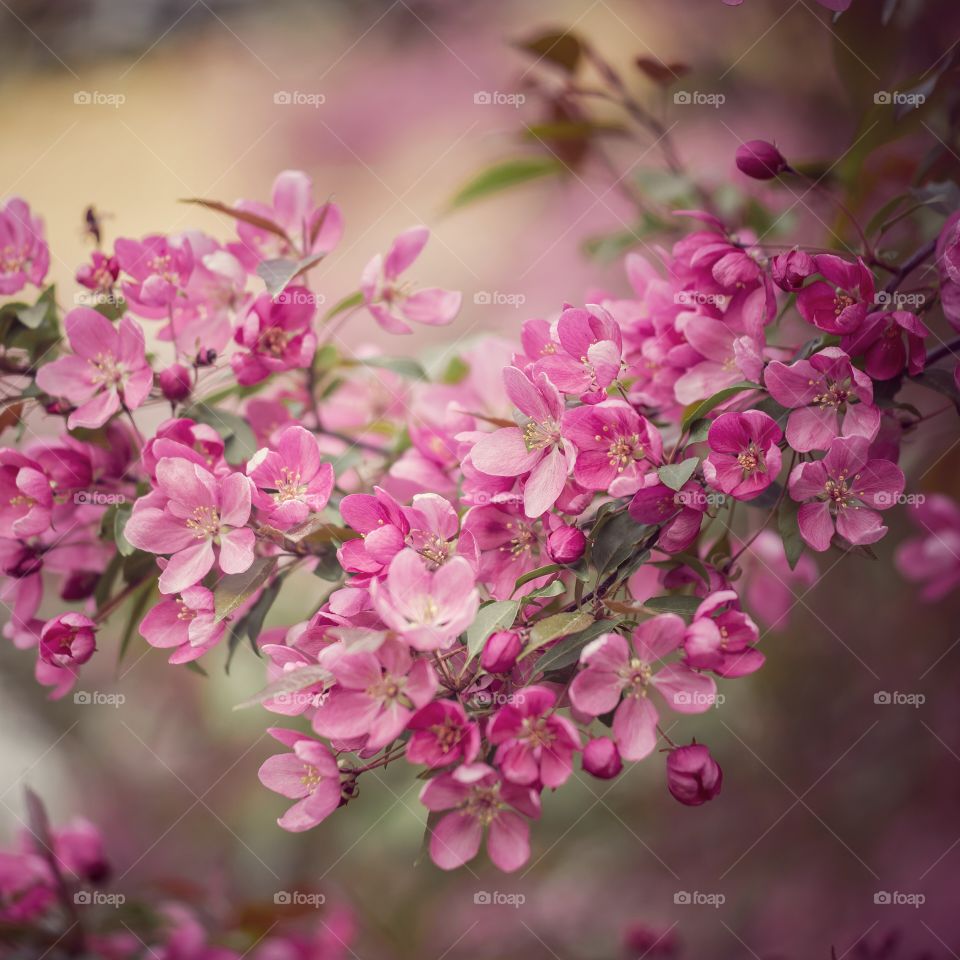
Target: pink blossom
276 335
693 776
292 482
839 303
182 438
589 358
26 496
500 651
383 527
478 798
565 544
601 759
616 677
727 357
535 744
789 270
308 774
760 159
535 449
933 557
175 382
744 457
388 300
843 492
160 267
100 274
829 397
108 368
441 735
678 513
191 511
187 623
68 640
24 255
612 440
375 695
510 545
880 340
721 637
429 609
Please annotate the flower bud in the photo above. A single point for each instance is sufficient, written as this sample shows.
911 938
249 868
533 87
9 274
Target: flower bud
760 160
566 544
68 640
500 652
175 382
693 776
601 758
789 270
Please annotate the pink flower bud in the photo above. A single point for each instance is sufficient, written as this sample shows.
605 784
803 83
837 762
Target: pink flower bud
68 640
500 652
601 758
175 382
789 270
760 160
693 776
566 544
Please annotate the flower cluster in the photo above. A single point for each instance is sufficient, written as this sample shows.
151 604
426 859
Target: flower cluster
532 567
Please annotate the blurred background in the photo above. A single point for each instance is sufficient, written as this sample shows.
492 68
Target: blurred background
830 797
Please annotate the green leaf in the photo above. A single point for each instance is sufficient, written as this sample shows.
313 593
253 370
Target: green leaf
120 519
456 372
553 589
563 50
675 475
142 598
498 615
290 682
552 628
568 650
697 410
347 303
616 541
698 430
684 606
235 588
280 273
536 574
789 529
503 175
405 366
239 442
104 587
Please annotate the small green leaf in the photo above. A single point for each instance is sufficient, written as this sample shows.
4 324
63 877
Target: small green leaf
347 303
120 519
568 650
616 541
405 366
697 410
675 475
684 606
142 598
536 574
235 588
498 615
789 529
503 175
552 628
280 273
239 442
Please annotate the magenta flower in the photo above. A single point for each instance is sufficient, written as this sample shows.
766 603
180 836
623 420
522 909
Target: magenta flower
24 255
187 623
276 335
389 301
760 159
160 267
383 527
535 744
727 357
292 481
535 448
108 368
26 496
308 774
612 440
789 270
678 513
744 457
375 694
601 758
68 640
479 799
441 735
721 637
100 274
191 511
510 545
839 303
933 558
829 398
590 354
429 609
500 651
693 776
881 343
616 677
843 492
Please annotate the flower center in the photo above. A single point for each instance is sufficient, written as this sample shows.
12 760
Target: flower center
636 676
448 734
205 522
840 302
536 435
835 394
624 449
184 612
484 804
750 460
274 341
106 370
310 777
288 486
387 689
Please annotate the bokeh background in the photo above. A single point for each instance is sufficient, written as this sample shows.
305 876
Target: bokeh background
829 797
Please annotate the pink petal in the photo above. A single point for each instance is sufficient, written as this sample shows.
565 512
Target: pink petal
635 728
455 840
